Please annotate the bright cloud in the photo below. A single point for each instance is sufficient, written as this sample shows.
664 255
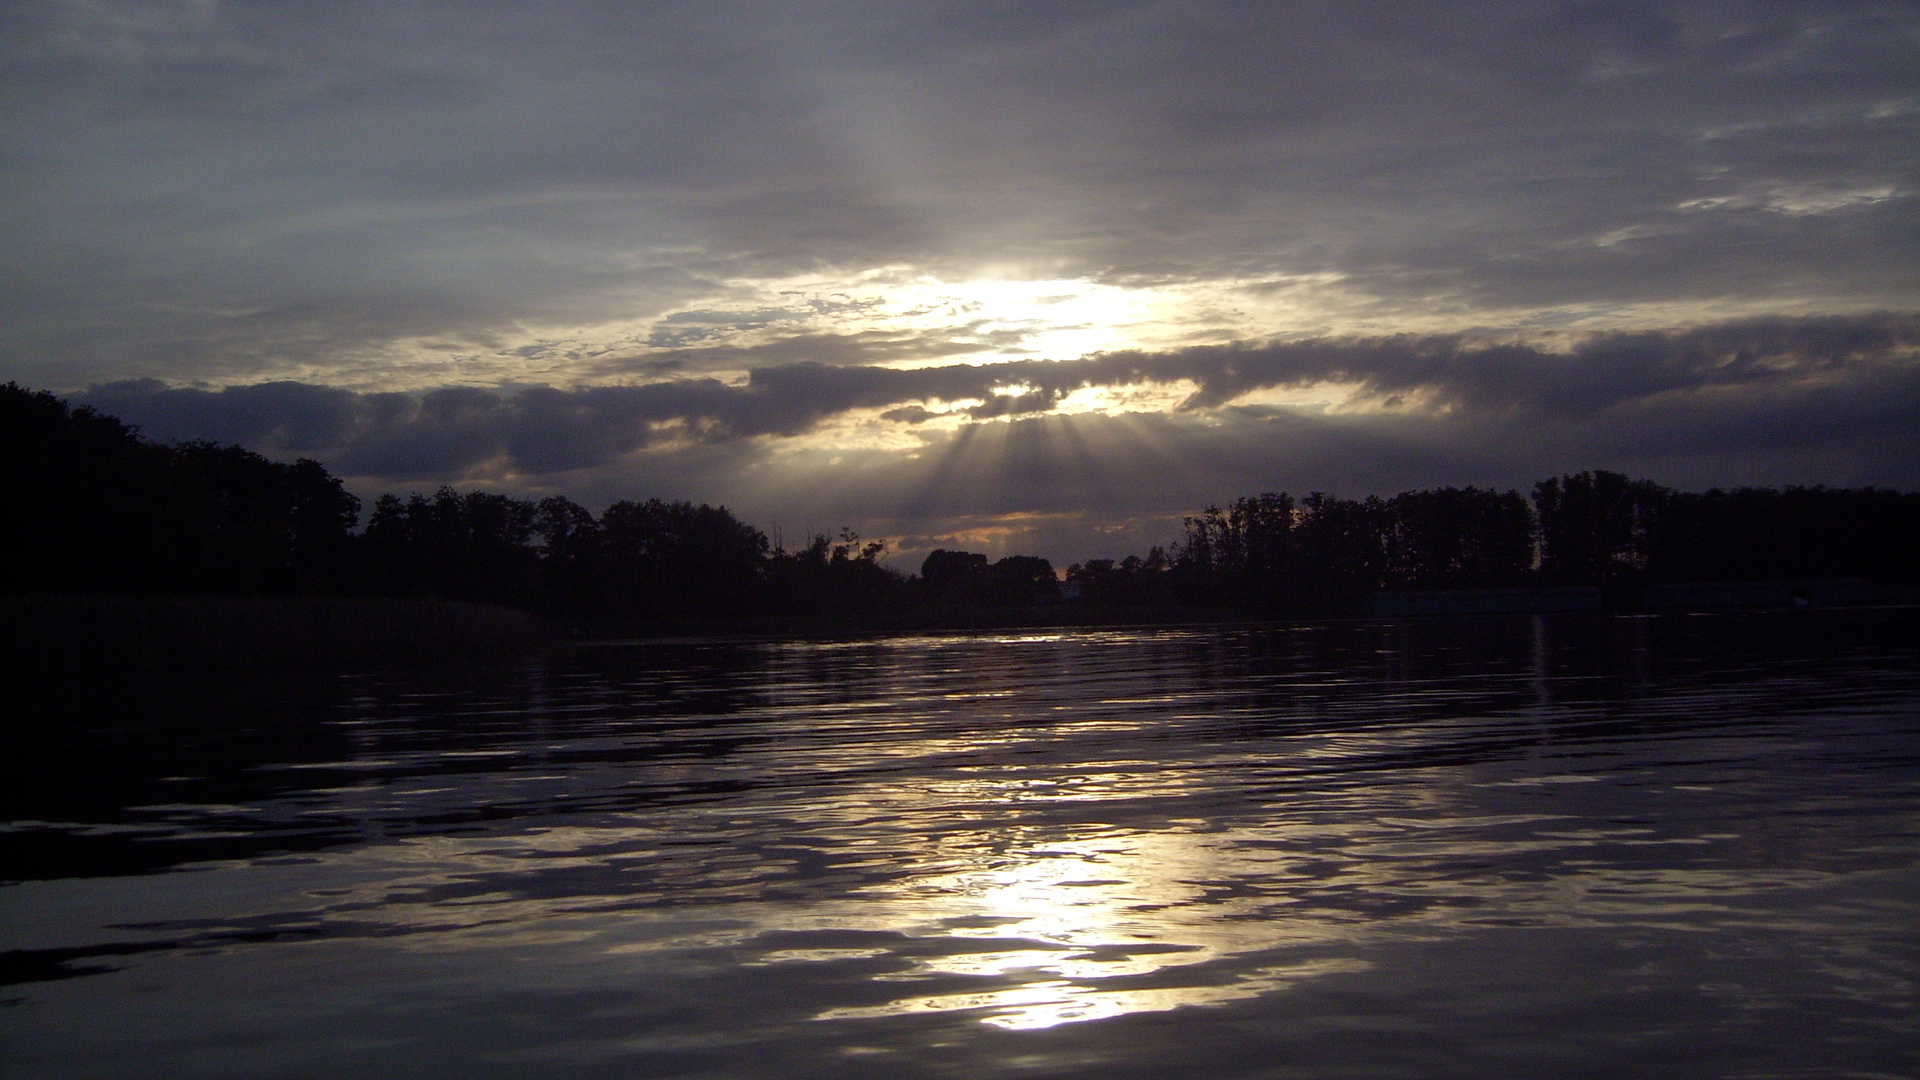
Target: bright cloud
1123 254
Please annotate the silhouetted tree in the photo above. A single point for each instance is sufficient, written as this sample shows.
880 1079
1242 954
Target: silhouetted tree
1244 556
1132 582
1796 532
1020 580
965 579
1342 545
948 576
256 526
1597 528
572 551
1274 555
94 508
834 581
675 559
477 546
1459 537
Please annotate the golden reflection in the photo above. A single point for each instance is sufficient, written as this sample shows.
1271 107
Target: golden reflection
971 907
1082 918
1050 926
1060 1001
968 861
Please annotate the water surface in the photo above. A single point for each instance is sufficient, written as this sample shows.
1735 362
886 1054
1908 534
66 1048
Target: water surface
1505 846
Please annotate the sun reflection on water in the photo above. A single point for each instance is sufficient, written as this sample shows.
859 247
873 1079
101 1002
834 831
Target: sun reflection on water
1033 829
1092 921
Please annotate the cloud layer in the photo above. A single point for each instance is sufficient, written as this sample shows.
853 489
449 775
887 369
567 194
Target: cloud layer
973 269
420 193
915 452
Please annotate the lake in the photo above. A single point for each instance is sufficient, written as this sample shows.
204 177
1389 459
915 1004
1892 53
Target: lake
1504 846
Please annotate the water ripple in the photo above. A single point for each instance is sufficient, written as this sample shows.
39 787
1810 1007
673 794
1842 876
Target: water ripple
714 849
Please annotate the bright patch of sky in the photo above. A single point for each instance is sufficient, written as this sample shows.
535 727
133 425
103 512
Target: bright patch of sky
752 253
896 317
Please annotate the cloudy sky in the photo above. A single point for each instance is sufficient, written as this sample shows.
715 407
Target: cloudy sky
1010 276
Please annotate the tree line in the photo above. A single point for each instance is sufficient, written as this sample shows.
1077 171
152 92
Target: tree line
97 509
1321 554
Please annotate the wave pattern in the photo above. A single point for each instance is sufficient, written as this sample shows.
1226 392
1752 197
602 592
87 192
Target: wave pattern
1507 845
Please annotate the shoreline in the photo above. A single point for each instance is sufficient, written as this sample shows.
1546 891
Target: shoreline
100 635
104 634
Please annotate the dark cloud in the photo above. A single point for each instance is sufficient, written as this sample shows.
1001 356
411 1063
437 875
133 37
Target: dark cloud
543 429
909 414
283 416
1810 400
283 199
236 192
1075 487
1037 401
1596 372
865 347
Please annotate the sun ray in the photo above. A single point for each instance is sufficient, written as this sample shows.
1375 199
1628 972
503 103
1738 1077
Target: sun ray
939 478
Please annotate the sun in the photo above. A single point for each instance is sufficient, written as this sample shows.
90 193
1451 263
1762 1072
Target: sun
1016 318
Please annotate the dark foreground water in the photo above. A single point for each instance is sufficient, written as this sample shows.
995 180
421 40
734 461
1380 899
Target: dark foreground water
1502 847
